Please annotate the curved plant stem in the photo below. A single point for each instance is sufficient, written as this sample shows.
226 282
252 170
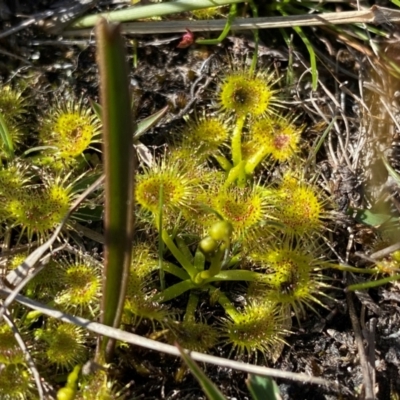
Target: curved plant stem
225 303
236 144
174 270
371 284
191 307
223 162
254 160
183 261
227 28
151 11
236 275
175 291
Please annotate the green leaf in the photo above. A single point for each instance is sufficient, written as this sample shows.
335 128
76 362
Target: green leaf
150 11
373 219
144 125
175 290
118 155
6 137
208 387
84 181
262 388
89 214
96 108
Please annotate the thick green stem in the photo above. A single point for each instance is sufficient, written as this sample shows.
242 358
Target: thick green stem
236 144
174 270
215 267
183 247
225 303
371 284
223 162
186 264
150 11
254 161
349 268
235 174
119 169
199 260
191 307
175 291
236 275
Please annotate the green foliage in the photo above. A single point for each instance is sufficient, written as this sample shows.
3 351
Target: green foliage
262 387
223 229
208 387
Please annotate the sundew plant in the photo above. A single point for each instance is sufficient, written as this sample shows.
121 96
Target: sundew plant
213 226
229 219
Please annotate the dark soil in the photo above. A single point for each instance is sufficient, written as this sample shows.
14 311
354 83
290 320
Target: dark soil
324 345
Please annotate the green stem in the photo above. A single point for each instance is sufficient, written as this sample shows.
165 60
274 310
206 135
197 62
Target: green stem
227 27
175 270
236 275
235 173
191 307
150 11
215 266
223 162
225 303
199 260
183 247
236 144
175 291
348 268
183 261
309 46
254 161
371 284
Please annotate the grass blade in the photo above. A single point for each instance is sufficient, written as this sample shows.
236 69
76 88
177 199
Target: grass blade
211 391
119 170
145 124
263 387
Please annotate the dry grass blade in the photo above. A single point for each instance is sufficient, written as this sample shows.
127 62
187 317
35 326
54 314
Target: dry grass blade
374 15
